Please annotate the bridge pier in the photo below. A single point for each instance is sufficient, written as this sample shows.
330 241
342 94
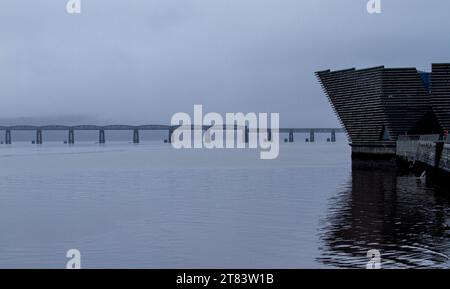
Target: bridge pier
101 136
135 136
71 136
208 135
38 136
291 136
8 136
311 136
333 136
170 135
246 134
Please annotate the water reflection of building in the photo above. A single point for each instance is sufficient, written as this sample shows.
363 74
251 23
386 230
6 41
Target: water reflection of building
399 215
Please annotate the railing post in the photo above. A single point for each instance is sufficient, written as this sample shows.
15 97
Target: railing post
269 134
333 136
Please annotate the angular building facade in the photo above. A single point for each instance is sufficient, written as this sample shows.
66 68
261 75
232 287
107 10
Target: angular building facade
440 93
378 104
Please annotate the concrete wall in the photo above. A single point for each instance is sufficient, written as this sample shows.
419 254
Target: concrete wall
431 153
426 153
444 163
408 149
374 150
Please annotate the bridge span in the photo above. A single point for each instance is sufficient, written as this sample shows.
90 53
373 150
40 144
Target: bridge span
153 127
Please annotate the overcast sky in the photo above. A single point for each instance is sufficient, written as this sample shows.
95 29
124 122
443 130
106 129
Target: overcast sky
140 61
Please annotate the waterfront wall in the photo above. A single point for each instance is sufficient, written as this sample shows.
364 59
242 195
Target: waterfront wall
444 162
373 150
426 150
426 154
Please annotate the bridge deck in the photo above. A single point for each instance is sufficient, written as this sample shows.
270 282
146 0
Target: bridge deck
169 128
147 127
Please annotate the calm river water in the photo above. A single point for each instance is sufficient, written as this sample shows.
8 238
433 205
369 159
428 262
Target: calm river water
151 206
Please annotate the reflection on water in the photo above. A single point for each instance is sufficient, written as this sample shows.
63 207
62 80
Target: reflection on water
400 215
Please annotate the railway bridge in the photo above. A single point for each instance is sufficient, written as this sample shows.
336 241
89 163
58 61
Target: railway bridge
152 127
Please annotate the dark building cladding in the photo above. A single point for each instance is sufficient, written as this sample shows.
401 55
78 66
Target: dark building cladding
376 105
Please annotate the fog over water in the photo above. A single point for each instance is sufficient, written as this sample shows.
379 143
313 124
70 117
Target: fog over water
141 61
